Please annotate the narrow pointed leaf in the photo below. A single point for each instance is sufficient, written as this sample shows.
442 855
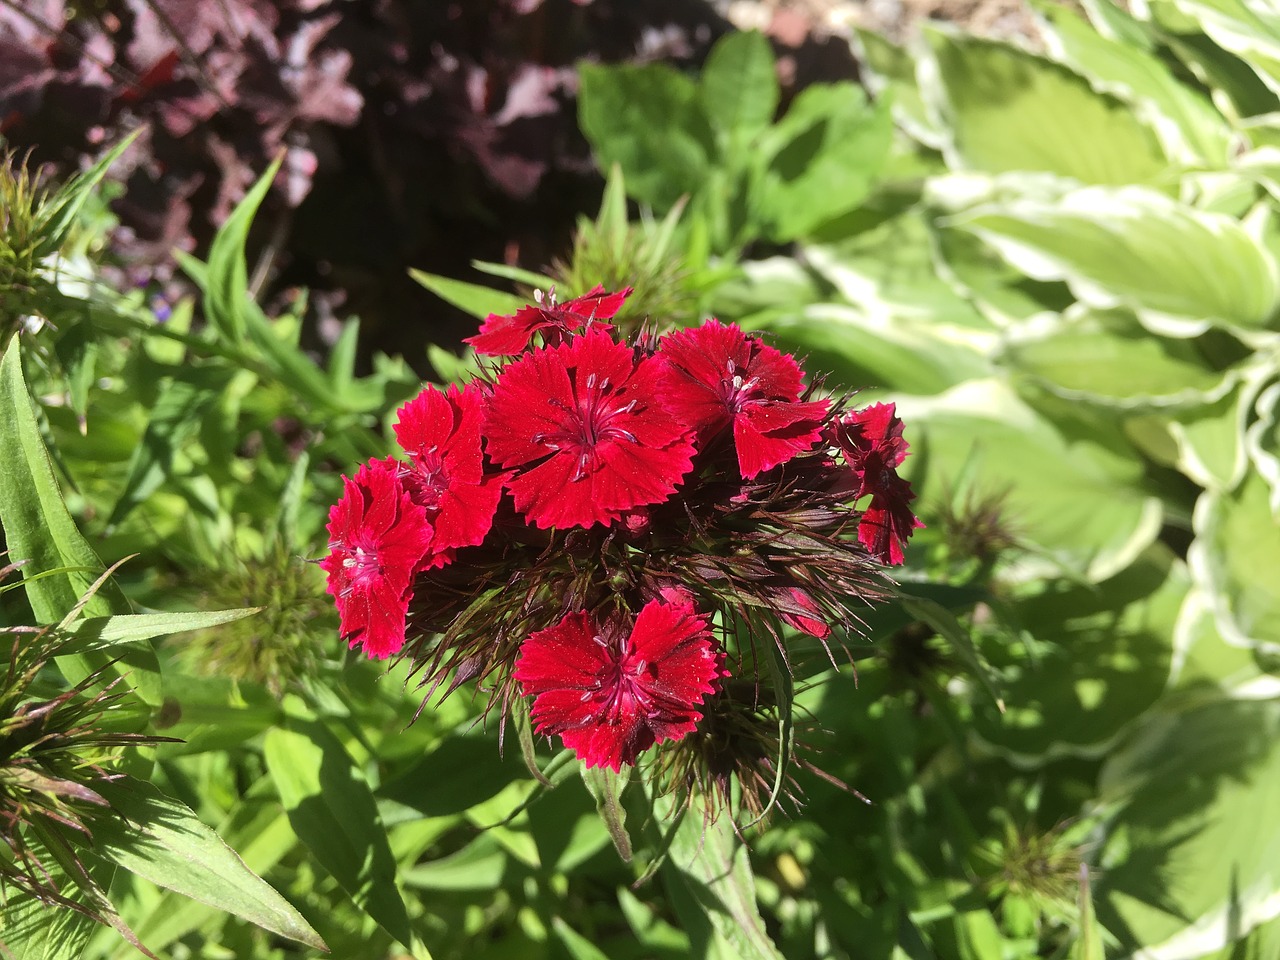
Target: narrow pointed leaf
162 840
708 864
226 288
335 816
38 528
469 297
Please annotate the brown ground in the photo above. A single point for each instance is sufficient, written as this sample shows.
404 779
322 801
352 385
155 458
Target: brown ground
791 20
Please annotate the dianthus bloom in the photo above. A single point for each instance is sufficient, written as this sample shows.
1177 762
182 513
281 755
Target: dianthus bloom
717 375
440 431
872 443
377 537
508 335
611 692
583 424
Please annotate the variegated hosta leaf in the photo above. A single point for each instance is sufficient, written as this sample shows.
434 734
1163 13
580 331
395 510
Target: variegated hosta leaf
1263 443
1102 657
1135 247
1108 358
1211 438
1076 501
1189 126
1234 559
1189 861
1204 665
859 347
1248 28
1007 109
891 72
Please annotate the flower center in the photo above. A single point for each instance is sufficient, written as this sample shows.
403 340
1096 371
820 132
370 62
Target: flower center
362 565
736 390
430 478
591 422
622 691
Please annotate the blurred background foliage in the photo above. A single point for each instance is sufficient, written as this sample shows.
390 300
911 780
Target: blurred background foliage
1058 254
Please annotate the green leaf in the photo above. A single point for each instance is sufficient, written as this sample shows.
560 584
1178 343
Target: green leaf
211 714
92 633
1189 861
821 160
1249 30
885 348
1108 358
648 120
470 297
480 865
1236 550
650 929
334 814
175 417
1088 942
32 930
1136 248
578 946
739 89
1211 437
606 787
1075 496
163 841
948 626
709 871
293 368
450 367
538 281
1189 126
455 776
36 522
1262 440
1102 655
891 74
1236 88
60 212
890 272
226 288
1261 943
39 529
1008 109
259 832
1203 661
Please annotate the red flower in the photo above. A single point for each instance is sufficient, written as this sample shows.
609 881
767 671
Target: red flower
871 440
503 336
609 693
377 536
717 375
441 434
583 423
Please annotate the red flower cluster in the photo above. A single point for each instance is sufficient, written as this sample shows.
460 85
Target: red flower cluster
603 526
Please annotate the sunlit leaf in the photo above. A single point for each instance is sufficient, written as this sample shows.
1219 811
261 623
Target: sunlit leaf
1237 547
1010 110
1077 499
1189 861
168 845
1136 248
334 814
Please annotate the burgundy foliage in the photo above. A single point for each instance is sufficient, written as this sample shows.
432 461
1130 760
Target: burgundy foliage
422 134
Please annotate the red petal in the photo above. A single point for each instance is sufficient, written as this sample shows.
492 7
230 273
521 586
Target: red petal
888 523
768 433
502 336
